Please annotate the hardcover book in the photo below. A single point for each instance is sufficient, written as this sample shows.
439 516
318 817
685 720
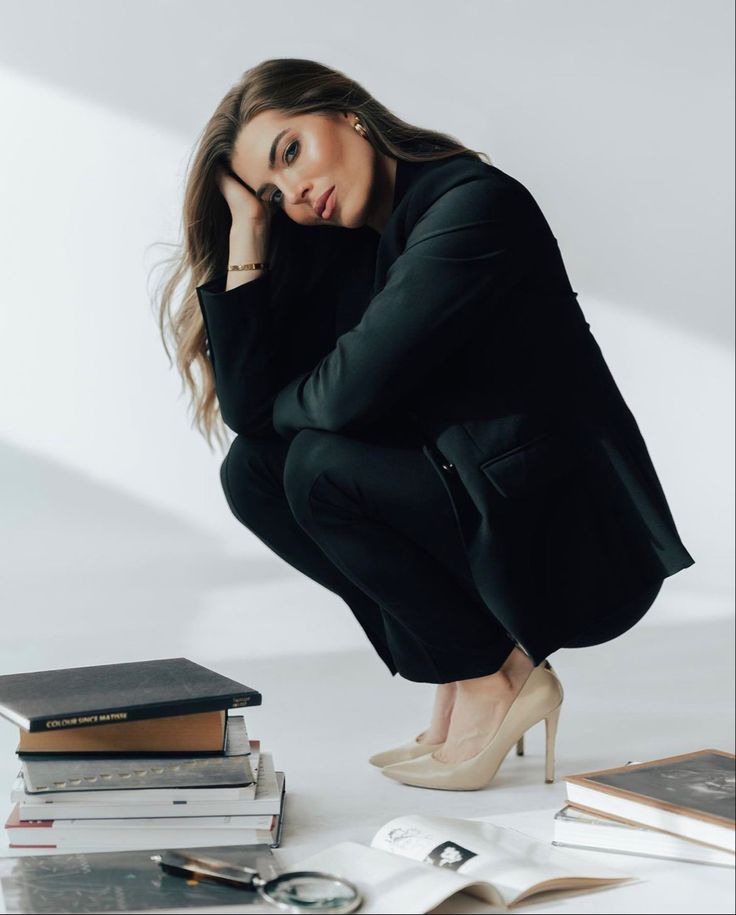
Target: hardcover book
263 797
579 829
78 697
116 881
690 795
105 773
131 833
201 732
131 798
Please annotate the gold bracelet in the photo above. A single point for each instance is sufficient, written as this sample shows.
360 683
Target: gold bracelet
248 267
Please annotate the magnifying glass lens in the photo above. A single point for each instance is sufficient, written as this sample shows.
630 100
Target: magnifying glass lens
311 892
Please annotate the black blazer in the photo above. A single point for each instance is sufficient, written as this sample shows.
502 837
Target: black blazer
459 323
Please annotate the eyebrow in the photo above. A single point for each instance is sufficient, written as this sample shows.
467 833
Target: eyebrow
271 159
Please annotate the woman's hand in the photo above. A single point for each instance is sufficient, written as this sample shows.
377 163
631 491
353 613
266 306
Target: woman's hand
245 207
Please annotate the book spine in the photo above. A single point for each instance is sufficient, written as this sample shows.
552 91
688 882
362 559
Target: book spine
121 715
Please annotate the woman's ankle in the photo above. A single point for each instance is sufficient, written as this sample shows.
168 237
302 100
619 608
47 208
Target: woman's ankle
444 702
517 666
511 675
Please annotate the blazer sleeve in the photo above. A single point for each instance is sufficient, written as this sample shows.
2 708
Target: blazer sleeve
457 266
259 335
241 346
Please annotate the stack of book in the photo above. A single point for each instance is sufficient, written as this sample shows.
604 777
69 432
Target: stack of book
678 807
138 755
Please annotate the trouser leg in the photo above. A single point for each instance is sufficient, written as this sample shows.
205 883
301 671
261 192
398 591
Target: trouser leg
615 624
252 479
382 515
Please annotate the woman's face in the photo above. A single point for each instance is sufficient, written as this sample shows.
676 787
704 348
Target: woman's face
312 153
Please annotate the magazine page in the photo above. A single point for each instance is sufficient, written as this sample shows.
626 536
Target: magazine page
513 863
390 884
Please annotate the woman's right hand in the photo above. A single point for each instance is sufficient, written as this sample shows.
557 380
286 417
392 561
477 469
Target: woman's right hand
243 203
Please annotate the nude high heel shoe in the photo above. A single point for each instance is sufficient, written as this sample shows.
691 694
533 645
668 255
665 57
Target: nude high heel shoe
540 698
404 753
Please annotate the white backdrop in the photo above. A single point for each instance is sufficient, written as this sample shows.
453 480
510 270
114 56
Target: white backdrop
618 117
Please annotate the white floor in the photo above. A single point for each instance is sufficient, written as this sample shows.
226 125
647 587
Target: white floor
664 688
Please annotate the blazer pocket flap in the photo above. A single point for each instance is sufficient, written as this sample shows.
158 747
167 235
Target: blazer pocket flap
533 465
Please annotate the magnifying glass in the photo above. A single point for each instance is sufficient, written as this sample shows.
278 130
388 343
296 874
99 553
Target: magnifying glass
292 891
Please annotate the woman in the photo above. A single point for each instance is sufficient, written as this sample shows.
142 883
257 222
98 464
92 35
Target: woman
424 423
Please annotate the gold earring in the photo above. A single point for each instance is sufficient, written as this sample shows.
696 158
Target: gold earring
360 129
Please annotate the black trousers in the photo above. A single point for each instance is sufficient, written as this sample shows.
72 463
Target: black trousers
368 518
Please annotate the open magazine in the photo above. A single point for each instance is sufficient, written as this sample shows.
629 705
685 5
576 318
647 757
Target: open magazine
446 855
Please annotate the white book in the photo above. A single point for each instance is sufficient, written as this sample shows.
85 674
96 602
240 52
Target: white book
581 829
690 795
143 832
416 862
265 801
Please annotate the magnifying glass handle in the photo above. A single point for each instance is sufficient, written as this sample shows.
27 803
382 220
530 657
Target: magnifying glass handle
183 859
179 863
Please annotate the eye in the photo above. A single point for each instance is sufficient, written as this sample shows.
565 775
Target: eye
270 199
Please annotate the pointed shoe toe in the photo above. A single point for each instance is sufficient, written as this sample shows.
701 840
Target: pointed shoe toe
403 753
427 772
540 698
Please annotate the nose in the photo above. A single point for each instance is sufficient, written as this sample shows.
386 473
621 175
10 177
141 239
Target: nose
296 192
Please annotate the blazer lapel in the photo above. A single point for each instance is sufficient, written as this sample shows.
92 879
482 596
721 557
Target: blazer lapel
414 191
389 242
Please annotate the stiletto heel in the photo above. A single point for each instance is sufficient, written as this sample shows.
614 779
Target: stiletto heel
520 746
550 728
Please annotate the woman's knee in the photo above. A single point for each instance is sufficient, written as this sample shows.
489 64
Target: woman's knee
311 452
251 469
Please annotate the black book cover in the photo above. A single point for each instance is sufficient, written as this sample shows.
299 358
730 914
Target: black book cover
73 697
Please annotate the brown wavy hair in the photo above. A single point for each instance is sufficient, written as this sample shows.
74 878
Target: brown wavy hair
292 86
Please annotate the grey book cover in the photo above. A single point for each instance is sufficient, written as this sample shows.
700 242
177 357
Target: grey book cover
116 881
